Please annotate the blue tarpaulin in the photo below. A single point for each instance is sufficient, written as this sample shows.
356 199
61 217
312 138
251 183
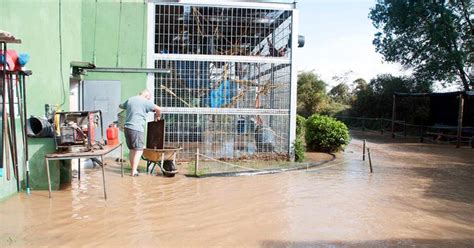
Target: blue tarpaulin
223 94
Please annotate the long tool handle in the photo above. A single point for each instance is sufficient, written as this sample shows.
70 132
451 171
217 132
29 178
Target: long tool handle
3 49
19 86
13 145
6 144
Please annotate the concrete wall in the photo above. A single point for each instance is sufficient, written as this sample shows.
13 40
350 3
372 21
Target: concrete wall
105 32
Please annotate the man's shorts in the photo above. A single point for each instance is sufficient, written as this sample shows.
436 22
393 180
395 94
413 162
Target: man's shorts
134 139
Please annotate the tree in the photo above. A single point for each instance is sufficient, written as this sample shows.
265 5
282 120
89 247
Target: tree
311 93
375 99
340 93
359 84
434 38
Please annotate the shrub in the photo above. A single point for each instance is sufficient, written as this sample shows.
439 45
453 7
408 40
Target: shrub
299 145
325 134
300 125
300 149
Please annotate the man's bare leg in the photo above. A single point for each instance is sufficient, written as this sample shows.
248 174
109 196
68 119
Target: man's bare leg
135 156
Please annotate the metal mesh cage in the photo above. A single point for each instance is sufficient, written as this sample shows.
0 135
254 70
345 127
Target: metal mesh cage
228 92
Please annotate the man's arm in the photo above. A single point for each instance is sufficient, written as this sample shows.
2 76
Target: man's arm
157 110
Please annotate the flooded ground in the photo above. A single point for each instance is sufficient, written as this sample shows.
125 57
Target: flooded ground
419 195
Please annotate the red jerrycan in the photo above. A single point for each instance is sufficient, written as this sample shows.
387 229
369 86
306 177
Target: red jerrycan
112 135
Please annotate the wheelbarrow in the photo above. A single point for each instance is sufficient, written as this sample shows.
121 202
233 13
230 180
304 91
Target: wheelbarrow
165 158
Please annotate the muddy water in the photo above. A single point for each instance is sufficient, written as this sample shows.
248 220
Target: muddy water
418 195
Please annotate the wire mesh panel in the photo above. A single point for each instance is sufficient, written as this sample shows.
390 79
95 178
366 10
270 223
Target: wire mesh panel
186 29
223 85
228 91
227 136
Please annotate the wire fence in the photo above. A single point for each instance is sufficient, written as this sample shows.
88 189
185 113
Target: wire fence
440 134
205 166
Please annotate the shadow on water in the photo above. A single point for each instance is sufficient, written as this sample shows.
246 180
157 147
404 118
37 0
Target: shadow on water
449 184
372 243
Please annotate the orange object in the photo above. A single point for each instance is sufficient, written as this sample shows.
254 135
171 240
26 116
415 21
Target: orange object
112 135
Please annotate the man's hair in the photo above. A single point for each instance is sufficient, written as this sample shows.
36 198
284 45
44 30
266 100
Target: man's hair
144 92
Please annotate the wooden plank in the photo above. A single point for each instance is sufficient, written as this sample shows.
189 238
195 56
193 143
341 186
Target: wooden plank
155 138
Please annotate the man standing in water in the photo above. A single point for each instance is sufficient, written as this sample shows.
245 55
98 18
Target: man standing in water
137 108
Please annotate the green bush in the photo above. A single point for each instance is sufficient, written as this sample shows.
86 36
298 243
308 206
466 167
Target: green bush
300 125
300 149
299 145
325 134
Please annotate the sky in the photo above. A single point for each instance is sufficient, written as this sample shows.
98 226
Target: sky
338 39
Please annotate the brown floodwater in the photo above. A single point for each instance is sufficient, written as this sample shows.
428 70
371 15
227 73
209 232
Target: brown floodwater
419 195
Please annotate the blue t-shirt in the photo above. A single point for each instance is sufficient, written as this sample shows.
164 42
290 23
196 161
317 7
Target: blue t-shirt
137 107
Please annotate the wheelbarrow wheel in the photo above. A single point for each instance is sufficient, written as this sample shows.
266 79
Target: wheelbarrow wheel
169 168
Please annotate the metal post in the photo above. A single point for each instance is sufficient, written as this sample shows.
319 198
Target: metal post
103 174
196 164
363 151
370 160
9 85
79 169
393 115
460 115
19 92
293 80
121 158
49 177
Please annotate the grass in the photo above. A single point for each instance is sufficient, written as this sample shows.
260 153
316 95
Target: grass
210 167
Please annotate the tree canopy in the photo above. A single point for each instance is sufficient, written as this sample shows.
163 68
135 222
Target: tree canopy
375 99
341 93
434 38
311 93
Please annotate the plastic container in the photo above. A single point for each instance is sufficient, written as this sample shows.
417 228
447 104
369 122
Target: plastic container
112 135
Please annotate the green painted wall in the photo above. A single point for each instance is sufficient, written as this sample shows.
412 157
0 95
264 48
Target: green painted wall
109 33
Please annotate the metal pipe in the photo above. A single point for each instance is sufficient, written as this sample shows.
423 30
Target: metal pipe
3 48
196 165
11 102
128 70
20 89
370 160
363 151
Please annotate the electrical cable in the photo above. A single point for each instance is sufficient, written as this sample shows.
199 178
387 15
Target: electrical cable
143 33
118 39
63 92
95 31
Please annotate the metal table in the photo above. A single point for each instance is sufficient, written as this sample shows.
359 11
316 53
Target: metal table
89 154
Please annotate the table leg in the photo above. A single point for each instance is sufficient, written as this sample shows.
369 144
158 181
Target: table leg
103 176
121 158
79 169
49 177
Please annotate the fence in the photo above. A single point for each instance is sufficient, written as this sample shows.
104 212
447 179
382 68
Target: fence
429 134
